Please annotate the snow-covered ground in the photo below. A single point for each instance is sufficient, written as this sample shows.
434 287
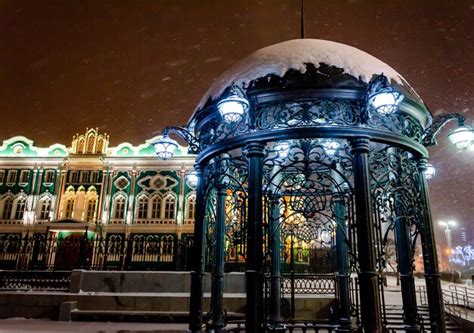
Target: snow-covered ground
392 296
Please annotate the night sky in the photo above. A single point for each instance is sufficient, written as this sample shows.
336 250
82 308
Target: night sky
131 67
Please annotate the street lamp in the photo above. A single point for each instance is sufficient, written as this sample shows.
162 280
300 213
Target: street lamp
233 107
447 230
462 137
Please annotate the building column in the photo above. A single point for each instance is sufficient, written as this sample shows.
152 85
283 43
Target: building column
103 194
107 207
217 288
368 276
343 272
199 250
430 258
131 196
180 216
34 193
60 183
254 275
181 209
275 239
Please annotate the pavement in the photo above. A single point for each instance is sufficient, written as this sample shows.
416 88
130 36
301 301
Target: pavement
16 325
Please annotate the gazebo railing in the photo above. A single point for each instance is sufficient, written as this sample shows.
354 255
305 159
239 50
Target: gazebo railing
308 283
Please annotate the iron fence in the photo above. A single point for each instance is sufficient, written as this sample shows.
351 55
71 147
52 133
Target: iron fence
303 327
114 252
35 280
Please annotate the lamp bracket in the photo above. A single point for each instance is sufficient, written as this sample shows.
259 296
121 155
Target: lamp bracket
429 136
184 134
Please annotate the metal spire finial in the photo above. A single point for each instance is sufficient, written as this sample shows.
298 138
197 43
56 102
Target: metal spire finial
302 19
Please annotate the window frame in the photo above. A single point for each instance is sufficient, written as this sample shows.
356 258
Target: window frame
21 181
11 174
10 210
169 200
46 176
142 207
119 199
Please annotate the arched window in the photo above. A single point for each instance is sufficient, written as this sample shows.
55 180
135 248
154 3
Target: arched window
7 208
91 206
156 207
142 210
20 208
69 208
90 144
169 207
45 208
191 209
81 146
100 146
119 208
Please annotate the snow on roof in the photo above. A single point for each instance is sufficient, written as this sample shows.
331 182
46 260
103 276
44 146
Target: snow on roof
294 54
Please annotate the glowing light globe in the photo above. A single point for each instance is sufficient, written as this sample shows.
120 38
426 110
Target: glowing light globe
165 147
192 179
386 100
462 137
233 108
283 148
330 146
430 171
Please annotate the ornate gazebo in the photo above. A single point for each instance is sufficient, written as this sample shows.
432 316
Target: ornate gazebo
322 138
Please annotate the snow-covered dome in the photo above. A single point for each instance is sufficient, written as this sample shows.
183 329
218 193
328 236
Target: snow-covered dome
296 54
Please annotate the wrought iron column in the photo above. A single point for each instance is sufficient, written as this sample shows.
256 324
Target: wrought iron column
275 293
404 249
405 267
368 276
197 274
217 288
430 258
343 274
254 274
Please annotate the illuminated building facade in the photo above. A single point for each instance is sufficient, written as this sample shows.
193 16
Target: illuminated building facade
94 206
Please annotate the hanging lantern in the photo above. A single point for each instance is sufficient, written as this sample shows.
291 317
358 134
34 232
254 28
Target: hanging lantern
462 137
165 147
233 107
382 97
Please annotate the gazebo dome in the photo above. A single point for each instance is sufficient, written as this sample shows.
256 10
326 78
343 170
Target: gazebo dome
299 62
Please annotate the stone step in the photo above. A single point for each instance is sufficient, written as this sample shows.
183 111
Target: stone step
140 316
168 302
394 317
